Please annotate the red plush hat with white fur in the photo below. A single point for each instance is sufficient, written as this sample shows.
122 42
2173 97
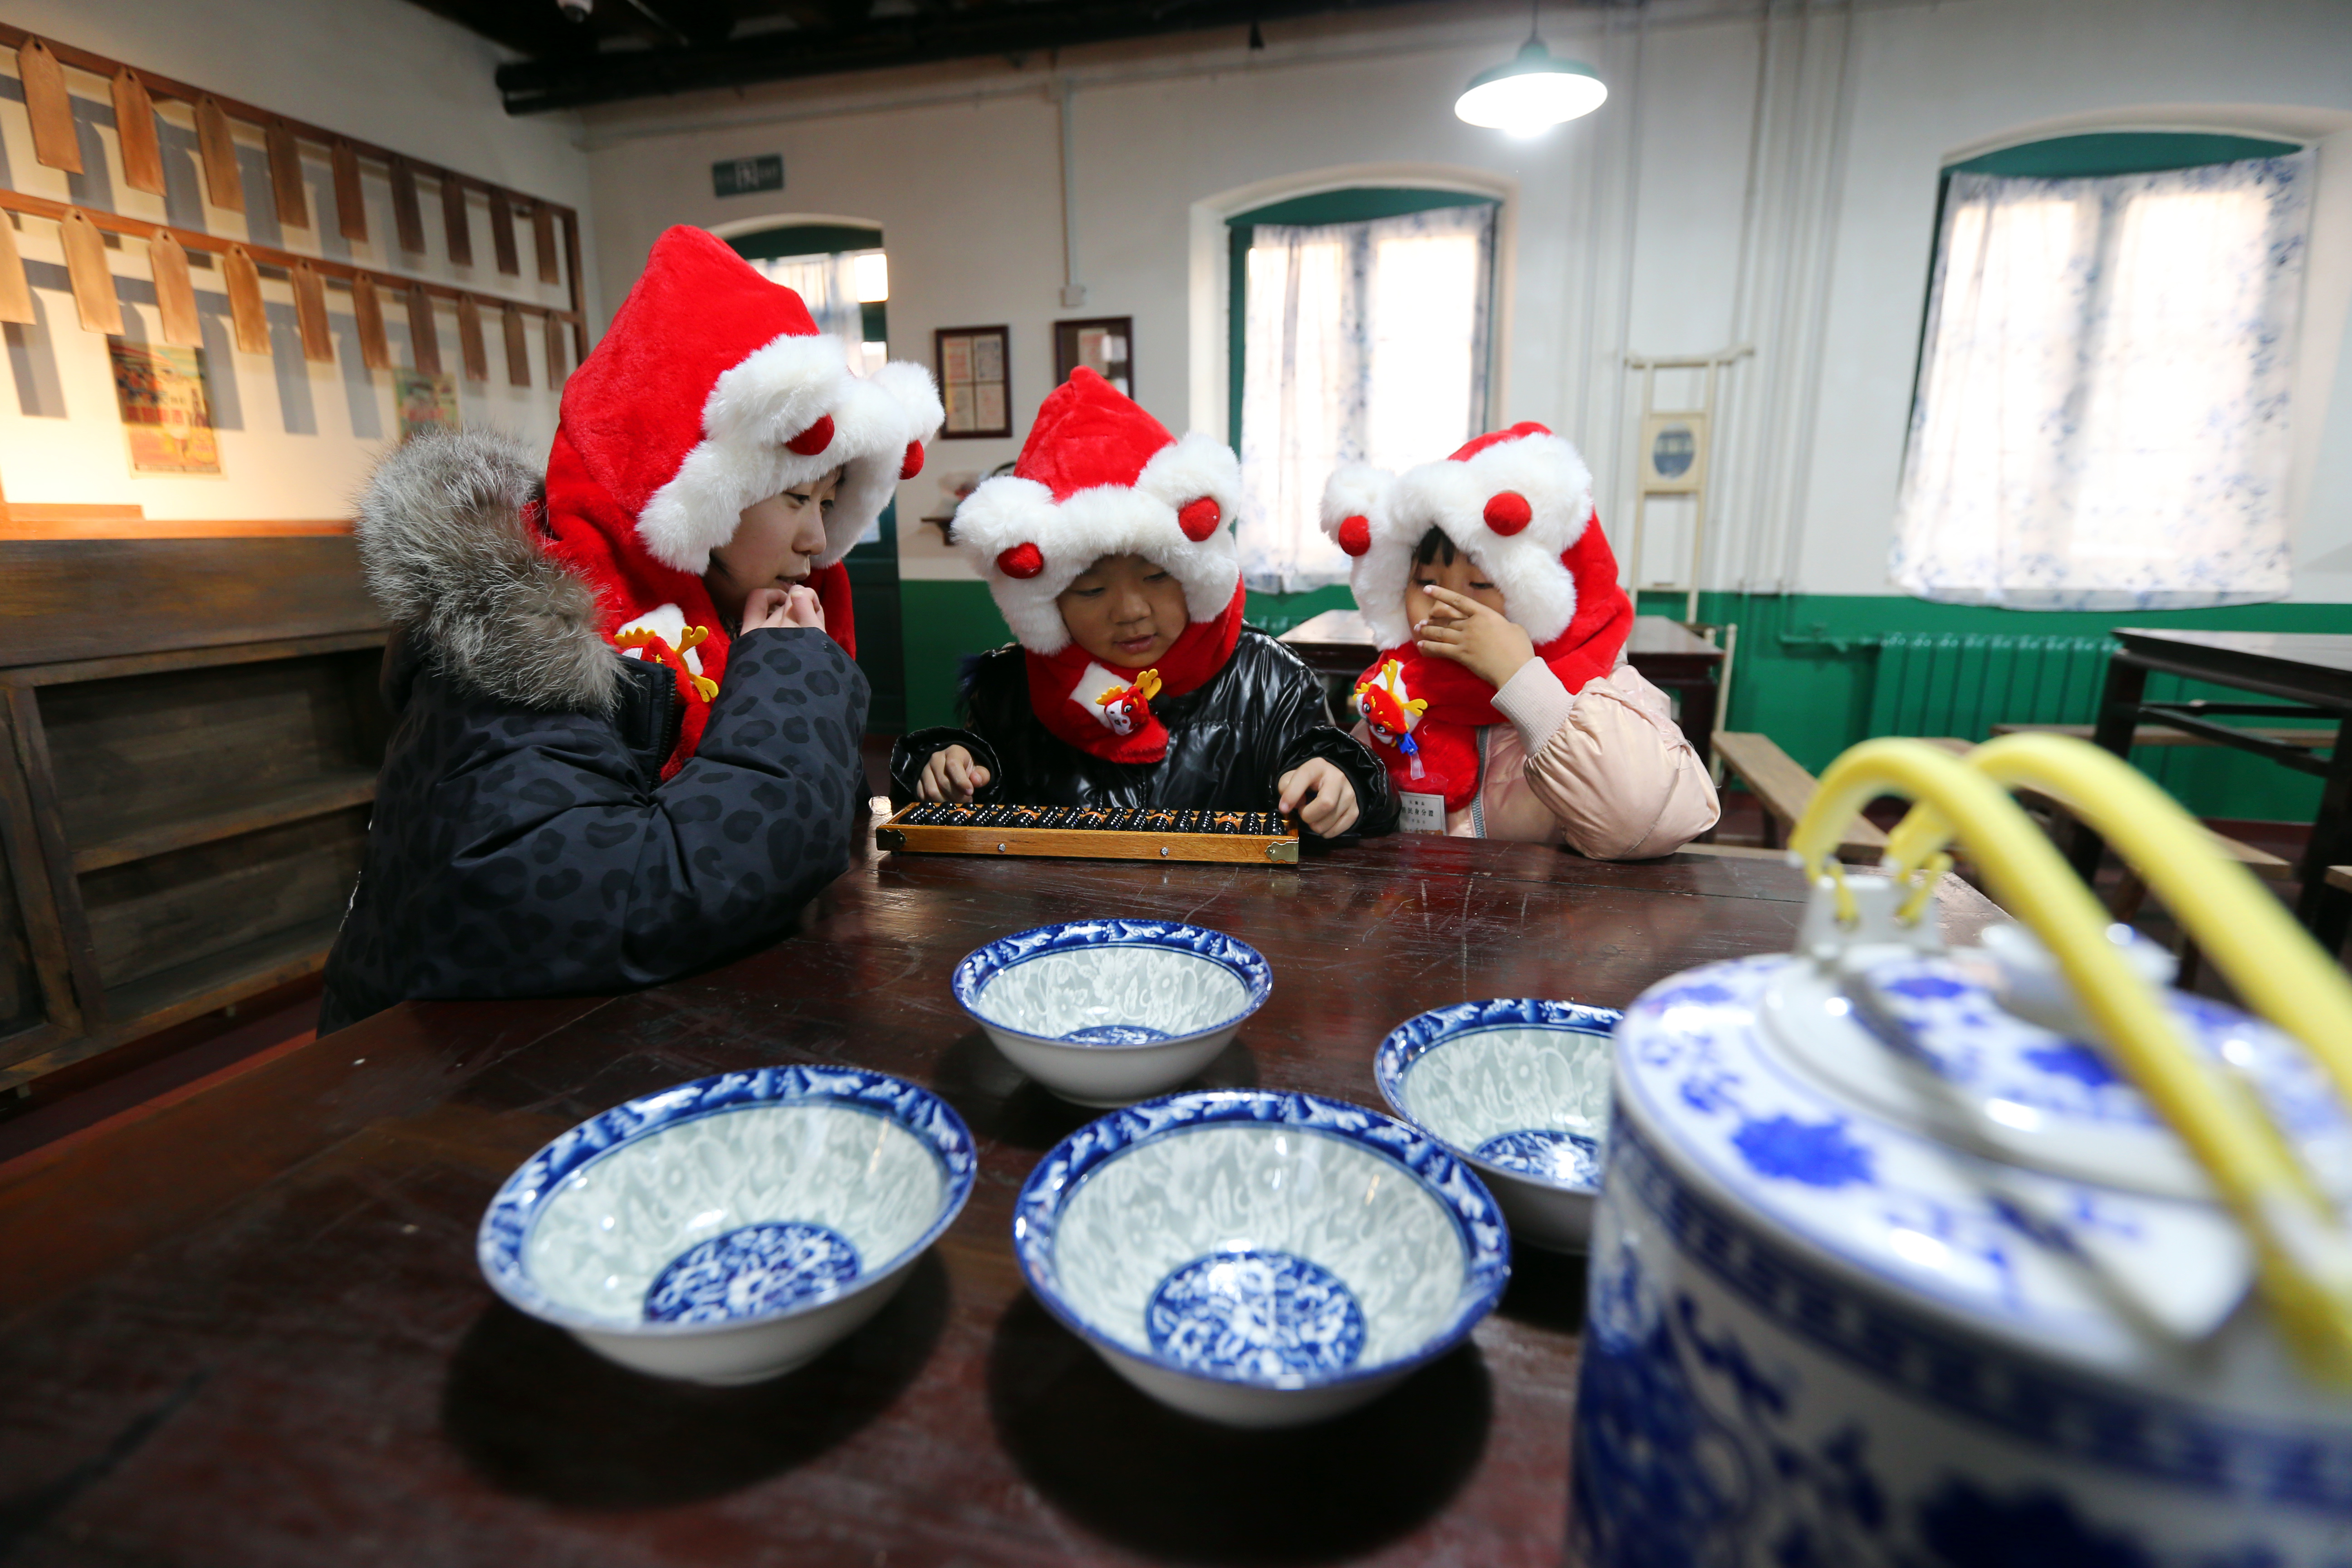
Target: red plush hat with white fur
713 390
1101 477
1518 503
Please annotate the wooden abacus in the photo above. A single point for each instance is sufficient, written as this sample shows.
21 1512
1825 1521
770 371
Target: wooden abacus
1091 831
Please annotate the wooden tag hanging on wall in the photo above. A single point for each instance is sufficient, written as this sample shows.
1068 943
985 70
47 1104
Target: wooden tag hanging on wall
475 352
559 353
518 349
245 312
134 133
93 285
223 187
351 200
542 240
176 292
407 216
16 294
286 174
424 339
374 351
48 108
502 239
310 314
453 218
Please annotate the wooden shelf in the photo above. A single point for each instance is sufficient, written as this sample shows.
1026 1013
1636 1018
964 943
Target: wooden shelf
311 797
163 998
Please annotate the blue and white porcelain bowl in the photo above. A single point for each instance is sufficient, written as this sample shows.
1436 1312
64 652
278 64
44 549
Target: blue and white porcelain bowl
1519 1088
731 1229
1107 1012
1259 1258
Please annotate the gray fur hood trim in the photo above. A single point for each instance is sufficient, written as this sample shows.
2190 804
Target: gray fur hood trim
449 553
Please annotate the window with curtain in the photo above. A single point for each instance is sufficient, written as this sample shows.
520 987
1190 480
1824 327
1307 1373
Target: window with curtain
2101 417
1363 340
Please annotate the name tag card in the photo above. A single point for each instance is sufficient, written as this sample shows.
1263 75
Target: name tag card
1421 813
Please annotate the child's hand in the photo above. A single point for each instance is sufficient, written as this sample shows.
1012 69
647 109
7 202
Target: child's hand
793 606
1473 637
951 775
1332 809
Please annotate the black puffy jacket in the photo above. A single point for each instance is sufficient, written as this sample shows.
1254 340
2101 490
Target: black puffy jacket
1229 741
523 841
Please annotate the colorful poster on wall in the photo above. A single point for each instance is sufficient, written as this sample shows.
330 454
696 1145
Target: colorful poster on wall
428 400
166 415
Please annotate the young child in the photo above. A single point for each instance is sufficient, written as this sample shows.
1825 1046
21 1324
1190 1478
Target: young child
626 721
1110 551
1501 702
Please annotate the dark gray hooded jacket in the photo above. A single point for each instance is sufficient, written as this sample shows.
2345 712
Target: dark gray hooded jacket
524 843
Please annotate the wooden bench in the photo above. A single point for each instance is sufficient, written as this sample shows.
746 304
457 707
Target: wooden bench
1784 789
2317 739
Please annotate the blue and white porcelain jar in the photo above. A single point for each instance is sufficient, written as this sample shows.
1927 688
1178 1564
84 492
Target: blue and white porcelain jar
1890 1267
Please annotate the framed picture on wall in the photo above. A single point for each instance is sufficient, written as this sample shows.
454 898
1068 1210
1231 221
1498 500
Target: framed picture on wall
974 381
1673 453
1105 345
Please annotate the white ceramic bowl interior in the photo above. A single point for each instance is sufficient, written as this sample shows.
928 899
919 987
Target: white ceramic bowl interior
1108 1012
1258 1259
731 1229
1519 1087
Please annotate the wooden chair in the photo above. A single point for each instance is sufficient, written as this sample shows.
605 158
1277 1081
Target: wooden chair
1784 789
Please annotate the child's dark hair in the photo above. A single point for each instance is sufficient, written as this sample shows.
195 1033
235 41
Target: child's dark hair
1433 543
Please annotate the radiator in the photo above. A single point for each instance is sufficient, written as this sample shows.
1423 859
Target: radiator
1955 684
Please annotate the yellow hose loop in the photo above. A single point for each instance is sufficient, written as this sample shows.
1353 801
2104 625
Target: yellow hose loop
1922 893
2238 923
2306 1266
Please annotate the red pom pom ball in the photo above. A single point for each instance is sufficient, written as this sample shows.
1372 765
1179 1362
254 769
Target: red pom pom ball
814 439
1022 560
912 464
1355 535
1199 519
1510 512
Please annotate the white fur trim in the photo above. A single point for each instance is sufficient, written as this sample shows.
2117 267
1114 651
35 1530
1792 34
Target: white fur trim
1108 519
1537 591
777 392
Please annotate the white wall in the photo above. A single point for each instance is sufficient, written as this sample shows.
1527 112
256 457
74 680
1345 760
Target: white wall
1770 184
304 435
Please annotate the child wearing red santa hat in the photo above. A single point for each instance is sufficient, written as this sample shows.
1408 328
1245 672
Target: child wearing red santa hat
1110 551
1501 702
626 714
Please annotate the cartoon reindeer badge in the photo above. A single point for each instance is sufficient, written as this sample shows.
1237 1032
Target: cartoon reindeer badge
1391 713
1125 709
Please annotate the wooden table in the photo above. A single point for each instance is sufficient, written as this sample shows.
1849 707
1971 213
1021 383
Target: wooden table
2312 672
1339 642
245 1325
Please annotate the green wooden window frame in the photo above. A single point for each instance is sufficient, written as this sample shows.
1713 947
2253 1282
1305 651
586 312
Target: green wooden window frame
1352 203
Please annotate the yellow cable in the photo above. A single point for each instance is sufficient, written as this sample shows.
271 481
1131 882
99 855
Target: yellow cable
2304 1266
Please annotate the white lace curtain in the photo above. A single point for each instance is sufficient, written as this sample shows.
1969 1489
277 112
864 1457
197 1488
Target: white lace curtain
2102 416
1364 342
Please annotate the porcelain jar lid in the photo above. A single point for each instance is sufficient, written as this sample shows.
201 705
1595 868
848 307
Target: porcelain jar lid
1937 1121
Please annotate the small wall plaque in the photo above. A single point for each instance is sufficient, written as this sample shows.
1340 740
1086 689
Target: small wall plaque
743 176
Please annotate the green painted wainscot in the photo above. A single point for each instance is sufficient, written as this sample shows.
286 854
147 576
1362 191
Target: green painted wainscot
1817 672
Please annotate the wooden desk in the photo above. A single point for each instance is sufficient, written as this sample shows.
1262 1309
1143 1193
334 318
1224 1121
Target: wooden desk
248 1327
1338 642
2312 672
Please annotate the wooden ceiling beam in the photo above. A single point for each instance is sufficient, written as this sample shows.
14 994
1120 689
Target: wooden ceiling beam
824 45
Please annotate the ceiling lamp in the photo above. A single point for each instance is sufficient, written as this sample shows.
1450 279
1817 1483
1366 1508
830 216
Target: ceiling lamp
1532 93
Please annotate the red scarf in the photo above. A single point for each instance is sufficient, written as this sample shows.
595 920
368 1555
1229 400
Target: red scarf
1438 752
1108 713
